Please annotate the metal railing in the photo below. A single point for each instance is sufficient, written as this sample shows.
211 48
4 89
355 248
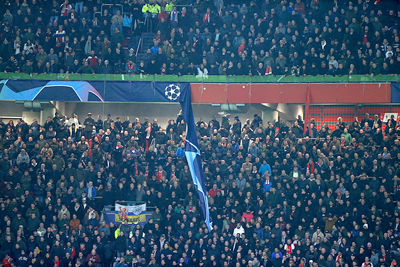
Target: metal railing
205 79
112 5
138 47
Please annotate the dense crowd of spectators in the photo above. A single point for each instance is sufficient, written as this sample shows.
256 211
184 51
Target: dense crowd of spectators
278 195
202 37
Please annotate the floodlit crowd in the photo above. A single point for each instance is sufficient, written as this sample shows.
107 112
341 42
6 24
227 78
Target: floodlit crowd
279 195
201 37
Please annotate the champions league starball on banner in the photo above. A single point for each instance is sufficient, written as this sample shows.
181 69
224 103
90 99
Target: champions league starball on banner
172 92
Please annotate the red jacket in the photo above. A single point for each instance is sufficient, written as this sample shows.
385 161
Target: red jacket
7 262
213 192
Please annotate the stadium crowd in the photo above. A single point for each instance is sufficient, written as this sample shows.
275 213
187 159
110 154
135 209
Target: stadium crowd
278 195
201 37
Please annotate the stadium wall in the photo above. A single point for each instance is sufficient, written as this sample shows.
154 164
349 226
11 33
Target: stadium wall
342 96
145 91
291 93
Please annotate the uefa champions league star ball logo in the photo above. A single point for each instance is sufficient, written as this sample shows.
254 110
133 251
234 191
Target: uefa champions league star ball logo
172 92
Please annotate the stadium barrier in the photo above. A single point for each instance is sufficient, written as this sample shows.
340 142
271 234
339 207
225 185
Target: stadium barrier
205 79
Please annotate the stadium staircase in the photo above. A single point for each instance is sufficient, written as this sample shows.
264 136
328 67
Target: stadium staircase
145 42
133 42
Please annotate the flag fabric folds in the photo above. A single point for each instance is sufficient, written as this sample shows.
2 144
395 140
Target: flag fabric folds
192 153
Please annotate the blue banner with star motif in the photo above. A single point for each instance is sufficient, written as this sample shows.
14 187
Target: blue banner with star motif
83 91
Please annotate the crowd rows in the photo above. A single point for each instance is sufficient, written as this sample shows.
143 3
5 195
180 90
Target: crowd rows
259 37
278 195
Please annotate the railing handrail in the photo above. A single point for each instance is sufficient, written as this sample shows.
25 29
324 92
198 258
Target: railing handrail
208 79
138 46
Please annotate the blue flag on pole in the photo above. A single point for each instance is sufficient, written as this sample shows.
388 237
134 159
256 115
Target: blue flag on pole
193 156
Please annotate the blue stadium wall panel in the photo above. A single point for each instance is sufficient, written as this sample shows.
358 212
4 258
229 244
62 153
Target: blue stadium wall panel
82 91
395 92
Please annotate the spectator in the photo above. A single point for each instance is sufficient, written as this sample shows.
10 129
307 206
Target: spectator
93 259
346 43
238 231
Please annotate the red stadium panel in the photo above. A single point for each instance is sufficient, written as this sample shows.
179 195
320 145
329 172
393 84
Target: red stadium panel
334 118
330 118
396 109
316 110
347 118
239 93
316 119
373 110
331 126
339 109
289 93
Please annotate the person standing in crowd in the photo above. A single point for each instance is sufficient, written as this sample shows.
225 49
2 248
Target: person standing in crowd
247 185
